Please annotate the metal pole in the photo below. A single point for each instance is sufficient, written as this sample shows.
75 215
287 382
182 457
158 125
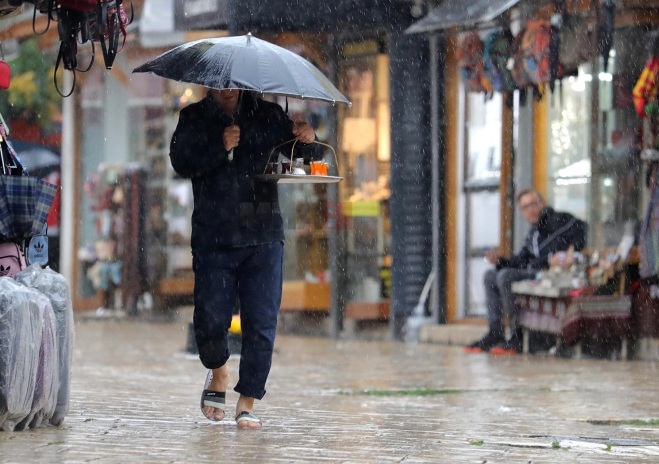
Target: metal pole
336 287
67 180
435 179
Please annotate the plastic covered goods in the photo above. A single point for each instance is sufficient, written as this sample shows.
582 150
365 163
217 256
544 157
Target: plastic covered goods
46 383
20 343
56 288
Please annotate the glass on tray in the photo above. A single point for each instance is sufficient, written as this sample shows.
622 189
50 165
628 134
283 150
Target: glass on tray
318 168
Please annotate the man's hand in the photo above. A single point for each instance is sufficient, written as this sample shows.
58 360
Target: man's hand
492 256
231 137
304 132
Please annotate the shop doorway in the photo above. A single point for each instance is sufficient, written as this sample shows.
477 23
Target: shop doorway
481 197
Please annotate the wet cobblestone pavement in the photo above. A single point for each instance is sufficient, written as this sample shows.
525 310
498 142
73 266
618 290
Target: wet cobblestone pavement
135 397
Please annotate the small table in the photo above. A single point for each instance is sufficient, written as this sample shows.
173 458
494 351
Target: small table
572 314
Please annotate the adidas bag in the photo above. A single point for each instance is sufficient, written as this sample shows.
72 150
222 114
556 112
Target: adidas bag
12 260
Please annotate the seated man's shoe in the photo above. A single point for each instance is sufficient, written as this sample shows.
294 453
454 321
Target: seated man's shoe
541 342
511 346
484 344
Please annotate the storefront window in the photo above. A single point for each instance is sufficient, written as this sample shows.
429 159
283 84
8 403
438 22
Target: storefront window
614 199
125 176
364 161
569 144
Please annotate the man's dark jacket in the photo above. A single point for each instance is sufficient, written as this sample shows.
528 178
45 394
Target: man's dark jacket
555 231
231 208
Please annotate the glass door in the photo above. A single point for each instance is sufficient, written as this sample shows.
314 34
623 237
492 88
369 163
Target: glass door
482 172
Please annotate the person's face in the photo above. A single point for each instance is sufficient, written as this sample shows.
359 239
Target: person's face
531 206
227 99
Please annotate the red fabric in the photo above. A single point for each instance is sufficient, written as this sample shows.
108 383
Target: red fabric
79 5
577 318
645 308
53 218
5 75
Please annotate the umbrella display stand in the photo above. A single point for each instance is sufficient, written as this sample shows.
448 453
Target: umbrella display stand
293 178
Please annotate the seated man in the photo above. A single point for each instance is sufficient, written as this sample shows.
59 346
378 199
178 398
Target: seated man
551 232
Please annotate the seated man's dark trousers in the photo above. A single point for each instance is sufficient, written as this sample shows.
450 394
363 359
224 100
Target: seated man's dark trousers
500 297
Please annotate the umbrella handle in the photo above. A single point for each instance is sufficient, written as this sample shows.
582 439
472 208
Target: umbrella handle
230 155
336 159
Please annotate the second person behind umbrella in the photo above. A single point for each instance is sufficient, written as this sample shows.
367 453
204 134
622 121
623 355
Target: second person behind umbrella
237 240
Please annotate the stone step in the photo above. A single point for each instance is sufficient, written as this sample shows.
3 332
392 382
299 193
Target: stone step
452 334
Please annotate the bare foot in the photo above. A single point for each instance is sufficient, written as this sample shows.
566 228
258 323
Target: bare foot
219 383
246 405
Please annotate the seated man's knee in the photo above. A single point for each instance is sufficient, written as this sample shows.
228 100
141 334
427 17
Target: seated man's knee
490 278
505 278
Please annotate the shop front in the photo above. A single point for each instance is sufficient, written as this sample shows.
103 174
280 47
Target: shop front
339 245
579 144
130 244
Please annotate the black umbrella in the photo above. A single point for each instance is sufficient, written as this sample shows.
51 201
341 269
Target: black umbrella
38 160
244 62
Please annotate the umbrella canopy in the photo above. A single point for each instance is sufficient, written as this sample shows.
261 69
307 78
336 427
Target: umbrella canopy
38 160
24 205
244 62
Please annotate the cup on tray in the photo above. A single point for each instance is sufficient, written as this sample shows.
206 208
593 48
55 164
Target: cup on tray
318 168
284 167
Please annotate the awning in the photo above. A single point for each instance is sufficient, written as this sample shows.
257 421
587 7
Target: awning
453 13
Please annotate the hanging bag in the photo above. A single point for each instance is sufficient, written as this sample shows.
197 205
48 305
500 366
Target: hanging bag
72 27
516 65
647 86
535 49
472 69
105 22
498 50
107 25
12 260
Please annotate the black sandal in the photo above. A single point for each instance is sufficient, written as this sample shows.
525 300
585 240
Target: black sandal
247 417
212 398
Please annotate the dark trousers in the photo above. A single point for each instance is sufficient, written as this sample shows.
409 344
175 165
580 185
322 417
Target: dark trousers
500 297
254 275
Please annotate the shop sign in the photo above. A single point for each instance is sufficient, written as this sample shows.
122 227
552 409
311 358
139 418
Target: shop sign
201 14
361 208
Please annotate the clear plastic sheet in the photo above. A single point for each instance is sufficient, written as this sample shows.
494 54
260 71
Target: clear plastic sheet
54 286
46 384
20 343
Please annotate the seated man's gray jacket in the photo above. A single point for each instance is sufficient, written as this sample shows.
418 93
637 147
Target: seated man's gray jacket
555 231
231 208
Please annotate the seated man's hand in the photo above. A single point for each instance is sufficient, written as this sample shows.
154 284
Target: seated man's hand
492 256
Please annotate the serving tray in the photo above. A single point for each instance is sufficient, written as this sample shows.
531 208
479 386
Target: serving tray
298 179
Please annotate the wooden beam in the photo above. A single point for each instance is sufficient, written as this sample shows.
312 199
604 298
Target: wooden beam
507 208
451 134
24 29
540 143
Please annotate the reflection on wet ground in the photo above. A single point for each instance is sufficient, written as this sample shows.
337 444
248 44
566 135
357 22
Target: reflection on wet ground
135 395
